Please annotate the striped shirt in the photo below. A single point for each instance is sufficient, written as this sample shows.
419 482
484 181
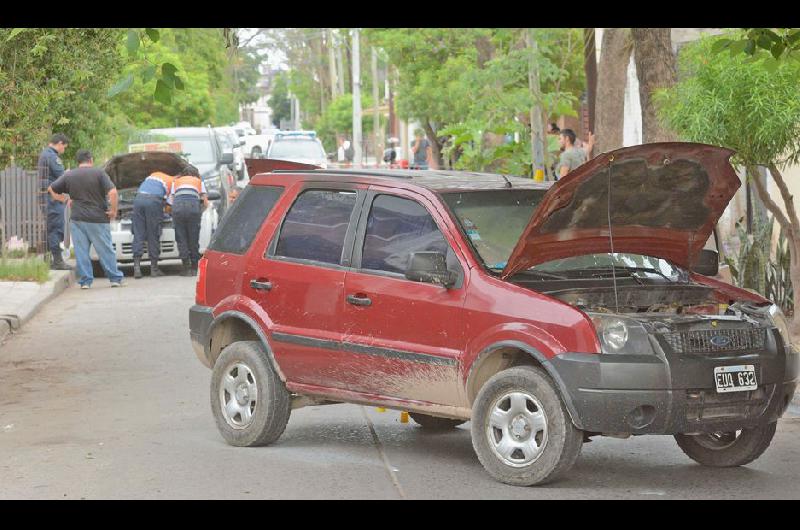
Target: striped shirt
188 187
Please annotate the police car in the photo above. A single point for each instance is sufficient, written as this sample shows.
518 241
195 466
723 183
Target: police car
298 146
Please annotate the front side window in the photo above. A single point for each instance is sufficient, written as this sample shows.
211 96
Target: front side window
316 225
396 228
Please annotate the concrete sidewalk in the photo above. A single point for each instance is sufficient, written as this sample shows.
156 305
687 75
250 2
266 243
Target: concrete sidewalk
20 301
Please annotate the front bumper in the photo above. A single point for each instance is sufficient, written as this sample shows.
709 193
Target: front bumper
670 394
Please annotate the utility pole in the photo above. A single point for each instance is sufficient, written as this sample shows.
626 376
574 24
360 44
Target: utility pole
376 134
332 66
537 137
356 58
340 65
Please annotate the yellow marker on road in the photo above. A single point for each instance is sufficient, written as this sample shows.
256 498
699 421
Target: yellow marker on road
380 409
404 417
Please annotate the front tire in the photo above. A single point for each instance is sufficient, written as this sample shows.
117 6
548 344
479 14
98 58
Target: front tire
249 401
521 431
727 449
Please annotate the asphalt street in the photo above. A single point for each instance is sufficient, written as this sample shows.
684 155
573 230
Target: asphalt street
101 396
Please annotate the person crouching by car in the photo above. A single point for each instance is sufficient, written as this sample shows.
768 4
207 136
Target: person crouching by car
148 213
188 192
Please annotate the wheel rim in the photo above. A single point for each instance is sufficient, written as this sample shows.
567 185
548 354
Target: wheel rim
718 440
237 394
517 428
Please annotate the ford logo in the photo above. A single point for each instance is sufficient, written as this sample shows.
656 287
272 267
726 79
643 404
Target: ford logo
720 341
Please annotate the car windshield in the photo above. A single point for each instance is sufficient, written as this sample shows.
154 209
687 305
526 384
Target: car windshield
289 149
494 219
225 142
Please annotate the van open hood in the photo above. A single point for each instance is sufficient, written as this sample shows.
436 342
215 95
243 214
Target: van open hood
130 169
665 199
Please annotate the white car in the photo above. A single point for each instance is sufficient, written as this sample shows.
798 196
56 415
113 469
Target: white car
298 146
257 145
127 172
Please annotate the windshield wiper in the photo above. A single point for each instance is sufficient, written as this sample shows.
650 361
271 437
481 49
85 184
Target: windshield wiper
543 274
607 268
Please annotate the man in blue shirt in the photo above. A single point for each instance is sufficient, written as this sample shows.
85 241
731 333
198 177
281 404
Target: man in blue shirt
51 168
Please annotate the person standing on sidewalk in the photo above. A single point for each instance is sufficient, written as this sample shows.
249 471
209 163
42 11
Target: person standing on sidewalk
148 212
188 192
88 188
50 168
421 151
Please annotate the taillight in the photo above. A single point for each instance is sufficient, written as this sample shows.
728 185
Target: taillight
200 289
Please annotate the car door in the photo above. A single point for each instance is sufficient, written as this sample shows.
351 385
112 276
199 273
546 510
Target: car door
404 338
299 282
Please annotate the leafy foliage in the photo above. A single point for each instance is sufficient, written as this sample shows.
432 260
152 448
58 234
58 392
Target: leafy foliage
771 45
731 101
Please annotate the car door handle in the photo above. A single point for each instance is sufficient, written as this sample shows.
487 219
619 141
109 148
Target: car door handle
358 300
261 285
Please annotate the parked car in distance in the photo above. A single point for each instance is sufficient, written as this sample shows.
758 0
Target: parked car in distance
544 315
298 146
127 172
257 145
231 142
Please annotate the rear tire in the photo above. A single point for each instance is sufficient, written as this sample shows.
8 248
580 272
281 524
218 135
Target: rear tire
521 431
249 401
434 423
727 449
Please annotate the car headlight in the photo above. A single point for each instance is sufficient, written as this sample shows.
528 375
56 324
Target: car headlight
780 322
620 335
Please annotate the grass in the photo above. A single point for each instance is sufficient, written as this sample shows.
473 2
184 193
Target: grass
24 269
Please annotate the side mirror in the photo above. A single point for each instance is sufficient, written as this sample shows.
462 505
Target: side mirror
226 158
213 195
707 263
430 267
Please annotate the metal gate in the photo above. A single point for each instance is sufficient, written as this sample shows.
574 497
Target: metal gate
22 208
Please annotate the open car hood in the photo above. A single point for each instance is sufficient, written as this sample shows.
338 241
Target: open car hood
267 165
130 169
665 199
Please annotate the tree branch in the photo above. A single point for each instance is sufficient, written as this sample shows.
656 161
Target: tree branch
788 198
770 204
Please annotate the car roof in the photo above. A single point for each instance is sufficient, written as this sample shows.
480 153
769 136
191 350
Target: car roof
436 180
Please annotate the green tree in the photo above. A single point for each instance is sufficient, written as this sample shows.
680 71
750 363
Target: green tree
56 80
279 99
732 101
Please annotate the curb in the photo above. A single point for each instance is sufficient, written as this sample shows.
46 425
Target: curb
52 289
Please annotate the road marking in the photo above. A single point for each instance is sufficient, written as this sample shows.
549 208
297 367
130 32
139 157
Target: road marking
389 468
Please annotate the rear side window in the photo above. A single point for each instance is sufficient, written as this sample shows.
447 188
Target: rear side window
316 225
239 226
396 228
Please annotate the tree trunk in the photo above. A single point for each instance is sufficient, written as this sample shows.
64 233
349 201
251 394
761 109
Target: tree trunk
655 69
611 80
590 69
435 147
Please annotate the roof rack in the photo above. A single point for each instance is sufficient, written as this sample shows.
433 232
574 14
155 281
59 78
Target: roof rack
400 174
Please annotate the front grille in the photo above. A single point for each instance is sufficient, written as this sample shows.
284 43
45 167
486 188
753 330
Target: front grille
715 340
166 246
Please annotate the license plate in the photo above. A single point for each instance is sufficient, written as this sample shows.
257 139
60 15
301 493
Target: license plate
735 378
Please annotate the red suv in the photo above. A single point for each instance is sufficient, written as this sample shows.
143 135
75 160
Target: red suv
545 315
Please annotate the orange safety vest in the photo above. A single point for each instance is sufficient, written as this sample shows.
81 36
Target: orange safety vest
163 177
188 182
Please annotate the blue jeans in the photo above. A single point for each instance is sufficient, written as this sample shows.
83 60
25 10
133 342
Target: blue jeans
97 235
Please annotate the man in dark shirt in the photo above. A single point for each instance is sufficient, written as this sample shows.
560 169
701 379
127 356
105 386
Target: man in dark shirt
50 168
88 188
423 154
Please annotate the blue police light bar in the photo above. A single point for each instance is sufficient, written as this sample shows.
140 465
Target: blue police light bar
310 134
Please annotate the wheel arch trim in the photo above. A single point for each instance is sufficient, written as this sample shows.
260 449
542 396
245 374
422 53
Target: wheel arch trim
251 323
542 360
